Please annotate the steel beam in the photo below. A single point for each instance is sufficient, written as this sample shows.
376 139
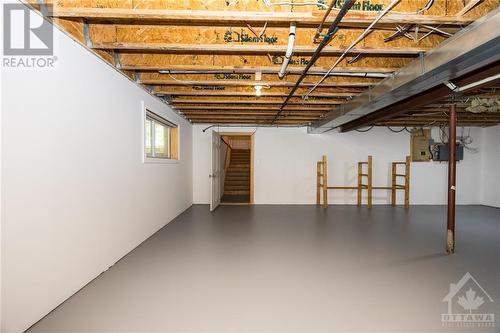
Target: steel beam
470 50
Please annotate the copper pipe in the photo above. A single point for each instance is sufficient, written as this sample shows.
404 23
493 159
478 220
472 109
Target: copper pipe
320 28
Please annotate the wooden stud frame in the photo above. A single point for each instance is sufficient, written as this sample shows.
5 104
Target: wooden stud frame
395 186
322 182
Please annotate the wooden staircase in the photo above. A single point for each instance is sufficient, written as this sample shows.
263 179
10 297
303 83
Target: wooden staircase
237 182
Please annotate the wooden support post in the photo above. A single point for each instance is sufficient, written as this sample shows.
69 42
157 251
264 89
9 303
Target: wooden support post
407 182
360 182
370 183
393 184
452 165
325 182
318 183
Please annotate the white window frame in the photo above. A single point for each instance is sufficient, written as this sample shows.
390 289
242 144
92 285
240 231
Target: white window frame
147 113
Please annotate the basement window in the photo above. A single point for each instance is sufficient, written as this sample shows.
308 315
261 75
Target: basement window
161 138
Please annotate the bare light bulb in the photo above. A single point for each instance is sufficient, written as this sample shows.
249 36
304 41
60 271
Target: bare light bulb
258 90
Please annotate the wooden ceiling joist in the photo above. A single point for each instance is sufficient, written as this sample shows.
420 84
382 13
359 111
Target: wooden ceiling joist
249 112
251 116
178 48
254 101
251 119
295 123
242 18
228 92
236 83
191 69
256 108
253 49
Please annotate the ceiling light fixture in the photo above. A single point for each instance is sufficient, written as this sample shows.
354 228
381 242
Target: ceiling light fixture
258 90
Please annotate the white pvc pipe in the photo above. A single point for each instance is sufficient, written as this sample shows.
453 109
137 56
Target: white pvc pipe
473 84
289 3
289 50
312 72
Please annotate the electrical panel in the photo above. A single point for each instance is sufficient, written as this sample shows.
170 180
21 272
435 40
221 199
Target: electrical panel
419 145
440 152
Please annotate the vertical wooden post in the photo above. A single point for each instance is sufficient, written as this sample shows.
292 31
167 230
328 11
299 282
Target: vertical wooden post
318 183
393 184
452 165
369 186
407 182
325 182
360 182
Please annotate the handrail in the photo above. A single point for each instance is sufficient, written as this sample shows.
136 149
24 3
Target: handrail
227 144
227 158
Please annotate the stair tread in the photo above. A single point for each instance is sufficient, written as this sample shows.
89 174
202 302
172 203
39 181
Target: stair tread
237 180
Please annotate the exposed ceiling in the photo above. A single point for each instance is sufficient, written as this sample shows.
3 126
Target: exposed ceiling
206 58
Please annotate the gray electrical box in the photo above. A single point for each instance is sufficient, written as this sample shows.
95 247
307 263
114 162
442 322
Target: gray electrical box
442 152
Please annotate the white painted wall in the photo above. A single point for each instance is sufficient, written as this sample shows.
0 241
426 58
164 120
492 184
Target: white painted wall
76 196
490 194
285 166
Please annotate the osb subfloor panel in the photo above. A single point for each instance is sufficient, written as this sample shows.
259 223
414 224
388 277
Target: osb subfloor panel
290 268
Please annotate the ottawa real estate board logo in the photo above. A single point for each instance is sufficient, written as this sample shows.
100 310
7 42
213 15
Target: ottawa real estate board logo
468 305
28 39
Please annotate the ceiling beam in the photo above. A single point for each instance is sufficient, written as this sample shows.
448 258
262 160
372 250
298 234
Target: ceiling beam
190 113
256 108
241 18
470 55
252 49
429 96
250 116
332 95
253 101
193 69
246 83
259 122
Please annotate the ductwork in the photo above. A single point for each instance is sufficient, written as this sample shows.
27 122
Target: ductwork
289 50
471 49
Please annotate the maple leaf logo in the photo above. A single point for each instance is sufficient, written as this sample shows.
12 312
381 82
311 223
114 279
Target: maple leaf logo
470 301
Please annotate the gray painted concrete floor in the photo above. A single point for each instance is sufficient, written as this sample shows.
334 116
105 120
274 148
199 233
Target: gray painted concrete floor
291 268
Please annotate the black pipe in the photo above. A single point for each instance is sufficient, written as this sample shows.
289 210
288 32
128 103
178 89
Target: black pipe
331 31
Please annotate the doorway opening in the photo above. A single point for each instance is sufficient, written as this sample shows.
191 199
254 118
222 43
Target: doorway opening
238 168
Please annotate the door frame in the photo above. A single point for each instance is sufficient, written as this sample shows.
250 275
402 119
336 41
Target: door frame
215 175
252 149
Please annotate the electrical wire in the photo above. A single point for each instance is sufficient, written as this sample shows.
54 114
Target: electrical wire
268 3
467 140
364 131
361 37
185 83
394 131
